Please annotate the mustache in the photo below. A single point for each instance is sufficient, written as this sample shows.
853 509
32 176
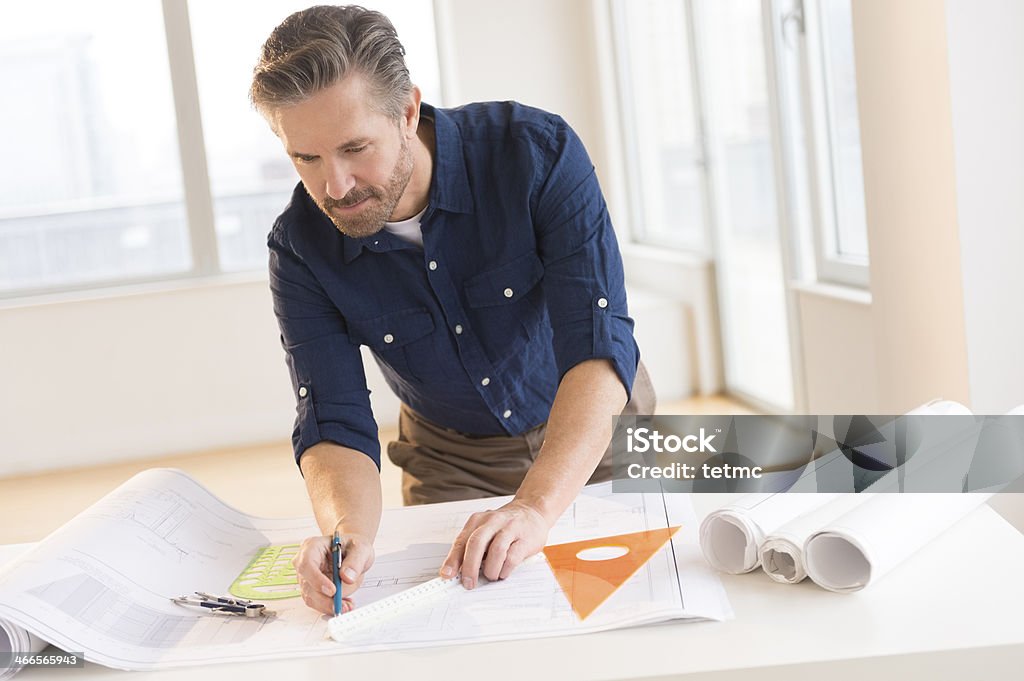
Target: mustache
350 199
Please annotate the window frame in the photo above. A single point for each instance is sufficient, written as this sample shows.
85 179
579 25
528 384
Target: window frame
198 191
831 266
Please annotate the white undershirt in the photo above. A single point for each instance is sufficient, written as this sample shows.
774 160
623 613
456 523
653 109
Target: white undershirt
408 230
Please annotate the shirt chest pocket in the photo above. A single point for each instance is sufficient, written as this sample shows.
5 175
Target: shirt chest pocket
401 340
505 303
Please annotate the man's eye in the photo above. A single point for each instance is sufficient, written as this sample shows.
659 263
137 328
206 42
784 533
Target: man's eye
356 150
305 159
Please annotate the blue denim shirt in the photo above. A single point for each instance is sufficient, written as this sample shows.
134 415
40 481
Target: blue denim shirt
519 279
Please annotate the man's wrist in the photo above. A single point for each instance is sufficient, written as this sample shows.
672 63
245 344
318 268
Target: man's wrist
347 527
541 505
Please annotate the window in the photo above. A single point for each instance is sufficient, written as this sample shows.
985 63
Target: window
671 87
843 250
751 280
697 105
661 119
90 184
743 146
92 187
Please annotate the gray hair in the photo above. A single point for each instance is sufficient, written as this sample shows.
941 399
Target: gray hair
316 48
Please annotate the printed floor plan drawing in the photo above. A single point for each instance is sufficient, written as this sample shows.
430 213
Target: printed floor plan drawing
103 583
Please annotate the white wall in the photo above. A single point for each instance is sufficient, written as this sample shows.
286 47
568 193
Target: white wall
910 192
537 52
157 370
128 376
840 365
986 71
686 286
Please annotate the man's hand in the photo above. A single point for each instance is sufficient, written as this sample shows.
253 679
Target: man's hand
578 432
496 542
344 487
313 568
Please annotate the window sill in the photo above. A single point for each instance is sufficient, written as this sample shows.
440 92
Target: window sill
172 284
848 294
635 251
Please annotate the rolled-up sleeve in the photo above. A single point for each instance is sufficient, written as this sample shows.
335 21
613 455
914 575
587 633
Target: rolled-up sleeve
584 286
328 380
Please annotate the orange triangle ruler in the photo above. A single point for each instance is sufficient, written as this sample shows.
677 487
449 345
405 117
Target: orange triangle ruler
588 583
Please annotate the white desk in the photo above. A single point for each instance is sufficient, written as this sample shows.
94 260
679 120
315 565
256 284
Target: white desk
954 611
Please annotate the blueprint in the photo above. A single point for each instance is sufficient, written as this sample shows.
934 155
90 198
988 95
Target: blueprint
102 584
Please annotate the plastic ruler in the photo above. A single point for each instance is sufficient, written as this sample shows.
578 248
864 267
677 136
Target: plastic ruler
344 627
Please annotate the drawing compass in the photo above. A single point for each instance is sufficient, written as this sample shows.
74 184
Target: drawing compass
222 605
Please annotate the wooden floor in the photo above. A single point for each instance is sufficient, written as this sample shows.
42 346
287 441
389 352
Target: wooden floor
262 480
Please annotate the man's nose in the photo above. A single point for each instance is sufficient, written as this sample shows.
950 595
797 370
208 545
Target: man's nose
339 180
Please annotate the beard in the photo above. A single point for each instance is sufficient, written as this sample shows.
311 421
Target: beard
380 204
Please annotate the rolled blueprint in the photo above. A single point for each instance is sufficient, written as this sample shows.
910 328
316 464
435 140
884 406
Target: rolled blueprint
864 544
14 639
998 461
941 407
862 455
731 536
782 553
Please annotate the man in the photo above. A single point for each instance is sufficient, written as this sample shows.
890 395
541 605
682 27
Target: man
471 250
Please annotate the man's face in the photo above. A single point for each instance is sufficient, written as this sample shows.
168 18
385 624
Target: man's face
354 162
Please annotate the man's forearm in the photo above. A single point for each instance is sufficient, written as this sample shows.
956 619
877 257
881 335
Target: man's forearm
344 488
578 432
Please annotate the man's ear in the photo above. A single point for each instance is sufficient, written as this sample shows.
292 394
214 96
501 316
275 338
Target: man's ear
411 115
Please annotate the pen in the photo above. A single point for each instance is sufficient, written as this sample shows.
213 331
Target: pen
336 558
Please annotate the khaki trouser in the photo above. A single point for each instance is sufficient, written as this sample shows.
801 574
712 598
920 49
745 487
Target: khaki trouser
439 464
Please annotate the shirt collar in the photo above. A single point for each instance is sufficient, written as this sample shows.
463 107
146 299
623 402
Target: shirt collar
449 181
449 185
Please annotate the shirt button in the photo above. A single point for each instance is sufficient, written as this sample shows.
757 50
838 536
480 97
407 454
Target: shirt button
508 412
458 329
375 243
602 303
432 264
388 338
485 381
302 391
509 293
